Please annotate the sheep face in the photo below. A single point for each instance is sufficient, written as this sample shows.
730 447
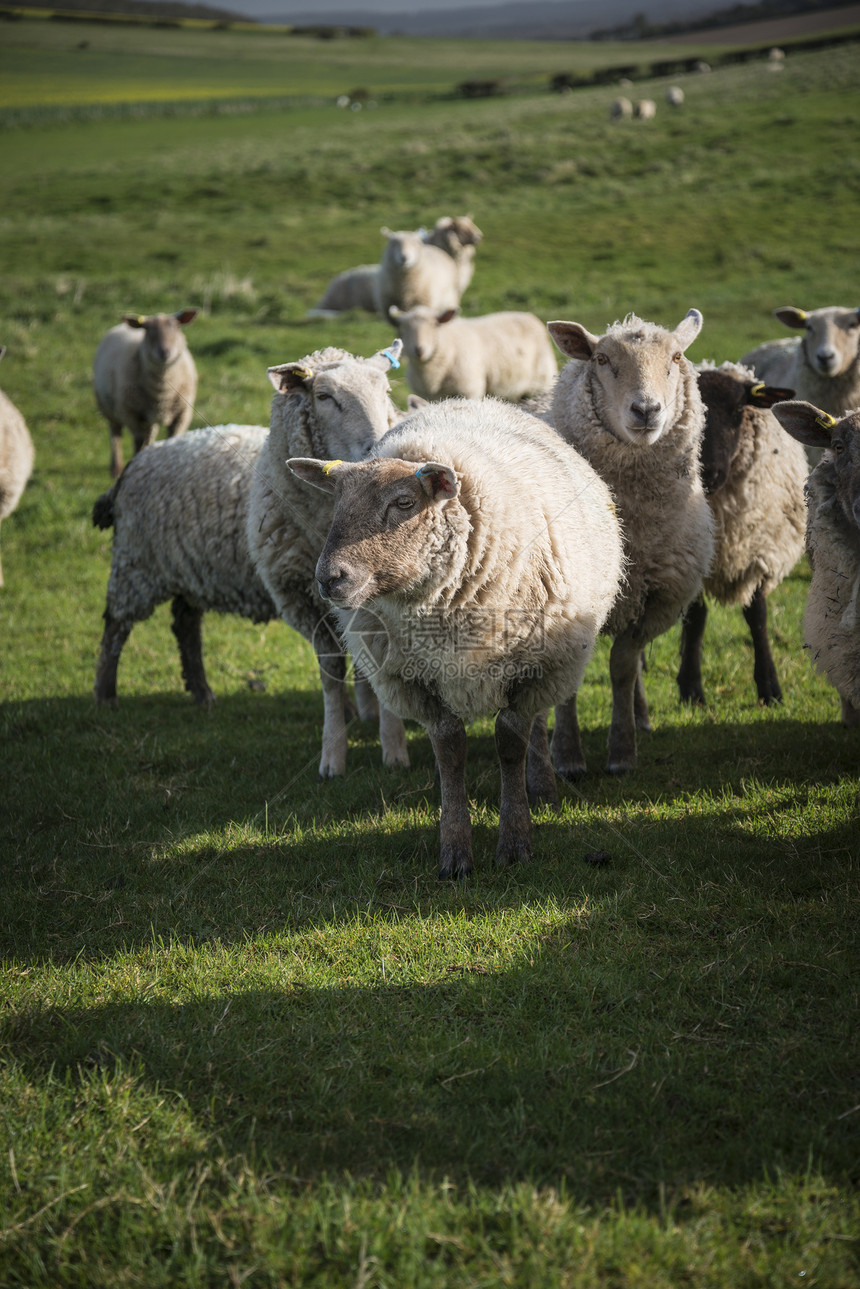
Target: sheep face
390 522
454 233
831 338
418 329
348 400
636 373
403 249
728 401
814 428
163 341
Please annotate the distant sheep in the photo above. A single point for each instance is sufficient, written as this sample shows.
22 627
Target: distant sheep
645 109
675 96
457 236
505 354
477 583
832 618
412 272
753 475
16 456
352 289
822 365
333 405
629 401
144 377
620 109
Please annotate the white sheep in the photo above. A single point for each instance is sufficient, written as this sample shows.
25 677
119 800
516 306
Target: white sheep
507 354
16 456
352 289
832 619
753 475
630 403
645 109
328 404
822 366
413 272
620 109
457 236
675 96
473 560
144 377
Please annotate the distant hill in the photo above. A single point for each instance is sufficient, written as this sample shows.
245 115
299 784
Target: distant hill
155 9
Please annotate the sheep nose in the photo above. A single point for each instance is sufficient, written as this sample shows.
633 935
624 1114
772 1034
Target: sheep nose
645 411
826 359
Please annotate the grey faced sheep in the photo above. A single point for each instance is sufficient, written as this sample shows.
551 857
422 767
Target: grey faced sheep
457 236
832 619
144 377
822 366
753 475
333 405
473 559
508 355
16 456
630 403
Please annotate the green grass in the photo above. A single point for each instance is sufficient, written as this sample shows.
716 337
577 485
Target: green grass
245 1035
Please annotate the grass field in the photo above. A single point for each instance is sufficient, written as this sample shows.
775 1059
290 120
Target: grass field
245 1035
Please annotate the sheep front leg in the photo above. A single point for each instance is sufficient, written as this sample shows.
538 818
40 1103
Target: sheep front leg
567 754
764 668
186 627
623 672
692 636
513 733
115 635
115 428
333 677
392 736
448 738
640 699
540 779
850 713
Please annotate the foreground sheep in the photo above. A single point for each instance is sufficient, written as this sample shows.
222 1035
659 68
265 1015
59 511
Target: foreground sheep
753 475
144 377
333 405
630 403
16 456
475 583
832 619
505 354
822 366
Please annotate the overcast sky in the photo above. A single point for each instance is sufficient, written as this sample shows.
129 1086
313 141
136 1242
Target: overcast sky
307 10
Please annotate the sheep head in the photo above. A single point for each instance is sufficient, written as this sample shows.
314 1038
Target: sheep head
816 429
831 340
392 520
418 329
637 371
403 249
729 398
163 341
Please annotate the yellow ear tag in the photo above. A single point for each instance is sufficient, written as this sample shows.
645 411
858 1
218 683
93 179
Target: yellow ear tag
141 319
303 373
825 421
329 466
757 389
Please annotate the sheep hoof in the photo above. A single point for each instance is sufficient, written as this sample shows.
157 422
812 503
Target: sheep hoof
513 852
619 768
572 773
454 864
107 700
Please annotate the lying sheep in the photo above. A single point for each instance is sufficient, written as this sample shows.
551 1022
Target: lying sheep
620 109
630 403
822 366
505 354
16 456
753 475
832 619
477 583
334 405
352 289
144 377
412 272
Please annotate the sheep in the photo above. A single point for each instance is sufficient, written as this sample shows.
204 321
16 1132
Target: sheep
505 354
144 377
457 236
477 582
831 622
753 475
675 96
413 272
16 456
352 289
333 404
822 366
645 109
620 109
630 403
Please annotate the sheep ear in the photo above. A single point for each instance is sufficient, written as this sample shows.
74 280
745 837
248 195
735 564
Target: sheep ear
134 319
791 317
388 357
808 424
688 328
759 395
316 473
413 402
572 339
394 313
447 316
186 315
386 232
439 482
289 376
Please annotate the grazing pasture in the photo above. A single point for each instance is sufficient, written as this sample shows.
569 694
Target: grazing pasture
246 1037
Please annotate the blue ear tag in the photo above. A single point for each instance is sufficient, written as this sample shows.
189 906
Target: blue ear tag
395 363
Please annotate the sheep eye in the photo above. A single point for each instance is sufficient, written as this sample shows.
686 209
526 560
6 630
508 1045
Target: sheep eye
676 358
322 396
404 503
838 445
602 359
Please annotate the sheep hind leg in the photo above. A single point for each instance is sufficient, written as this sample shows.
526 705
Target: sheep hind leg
764 668
850 713
540 777
640 698
114 637
115 449
515 826
567 754
623 671
692 636
186 627
448 738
